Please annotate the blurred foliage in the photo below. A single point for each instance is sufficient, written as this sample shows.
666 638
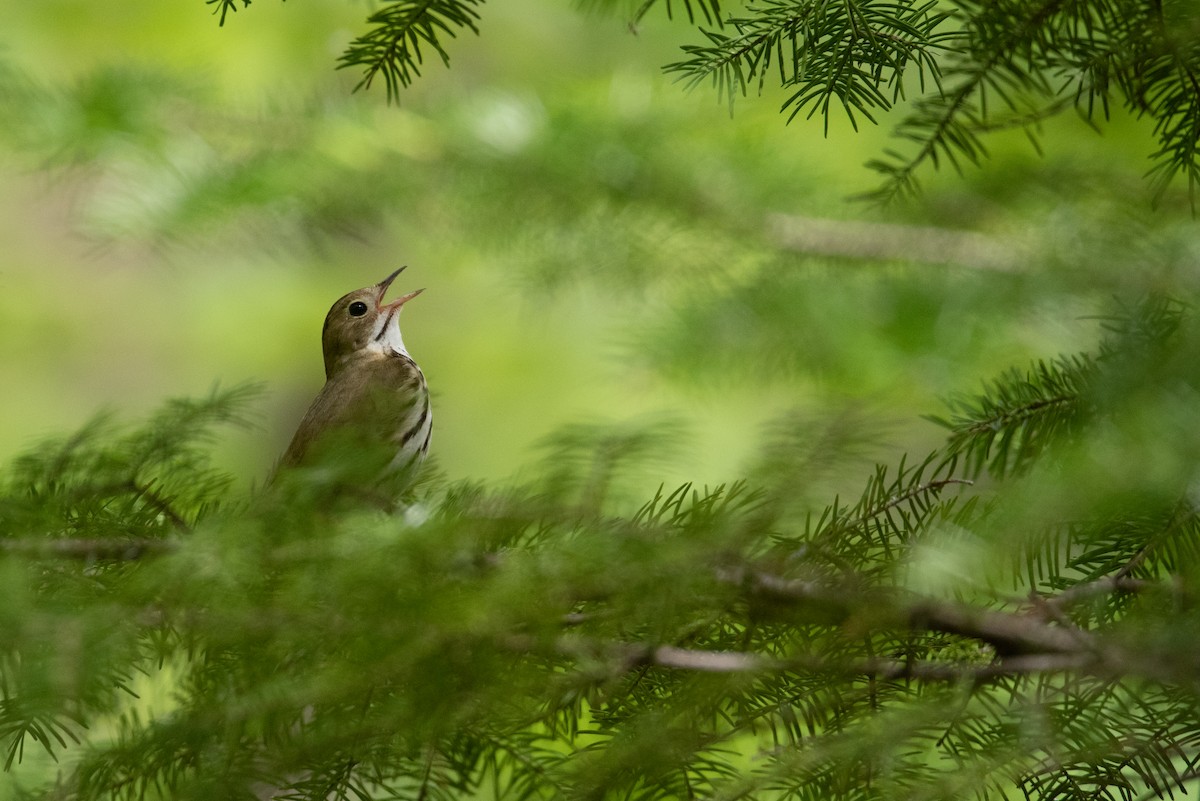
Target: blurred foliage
969 67
535 640
717 575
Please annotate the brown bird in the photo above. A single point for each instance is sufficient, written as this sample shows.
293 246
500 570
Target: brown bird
374 392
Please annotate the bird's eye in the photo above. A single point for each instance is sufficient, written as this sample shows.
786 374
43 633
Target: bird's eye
358 308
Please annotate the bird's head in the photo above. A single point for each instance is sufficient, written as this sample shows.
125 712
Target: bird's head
361 321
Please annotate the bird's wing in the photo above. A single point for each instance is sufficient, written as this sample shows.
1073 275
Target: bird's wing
371 404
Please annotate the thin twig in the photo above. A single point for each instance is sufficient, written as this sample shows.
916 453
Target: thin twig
627 656
1091 589
892 242
88 549
900 498
1010 633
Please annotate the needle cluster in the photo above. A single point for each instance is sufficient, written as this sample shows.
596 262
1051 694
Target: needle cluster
547 639
962 71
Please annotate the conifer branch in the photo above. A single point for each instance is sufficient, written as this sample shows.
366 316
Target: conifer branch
1085 591
890 512
1019 415
1011 50
223 7
671 657
976 67
1010 633
88 549
947 125
856 52
710 10
158 503
904 498
509 643
629 657
889 242
393 48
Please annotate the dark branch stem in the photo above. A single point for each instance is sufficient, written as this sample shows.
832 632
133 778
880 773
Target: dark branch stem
1009 633
158 503
1091 589
89 549
629 656
1024 410
900 498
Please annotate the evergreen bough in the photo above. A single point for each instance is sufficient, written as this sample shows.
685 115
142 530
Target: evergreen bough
964 69
543 641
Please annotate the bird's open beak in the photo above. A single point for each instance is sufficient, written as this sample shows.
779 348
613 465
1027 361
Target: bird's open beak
382 287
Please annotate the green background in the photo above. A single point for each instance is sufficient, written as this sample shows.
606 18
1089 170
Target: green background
181 202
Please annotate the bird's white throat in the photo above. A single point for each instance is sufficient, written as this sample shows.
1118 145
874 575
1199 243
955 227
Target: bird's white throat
388 340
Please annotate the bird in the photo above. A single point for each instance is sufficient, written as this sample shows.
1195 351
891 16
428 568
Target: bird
375 398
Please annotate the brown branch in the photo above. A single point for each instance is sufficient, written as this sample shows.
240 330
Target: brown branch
888 241
630 656
1009 666
1091 589
158 503
87 549
1008 632
1023 639
670 656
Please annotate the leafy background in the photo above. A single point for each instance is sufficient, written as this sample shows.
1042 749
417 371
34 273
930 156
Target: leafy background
182 201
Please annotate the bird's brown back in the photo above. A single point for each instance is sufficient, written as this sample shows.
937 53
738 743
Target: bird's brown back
375 400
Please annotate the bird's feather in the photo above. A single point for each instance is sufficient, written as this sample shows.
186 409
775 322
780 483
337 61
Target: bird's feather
381 399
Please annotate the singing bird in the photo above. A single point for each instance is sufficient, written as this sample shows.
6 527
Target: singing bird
374 392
